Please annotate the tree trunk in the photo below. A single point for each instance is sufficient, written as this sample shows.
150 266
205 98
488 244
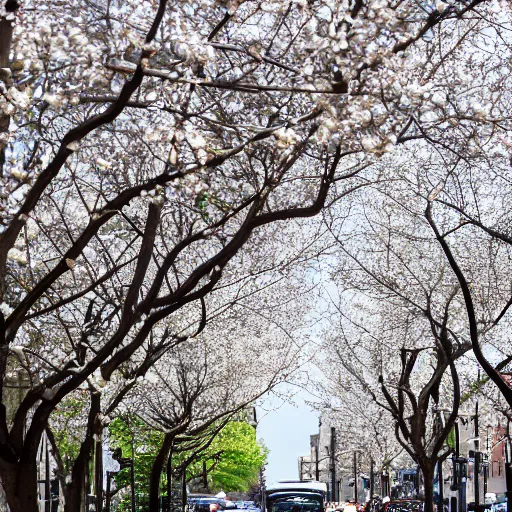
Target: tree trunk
428 482
74 493
184 489
6 32
156 471
20 486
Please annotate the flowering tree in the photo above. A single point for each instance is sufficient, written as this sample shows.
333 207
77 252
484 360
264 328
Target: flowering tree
202 387
397 352
398 312
143 145
442 186
241 353
361 424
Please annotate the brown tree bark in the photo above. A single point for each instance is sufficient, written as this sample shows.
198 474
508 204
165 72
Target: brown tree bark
428 481
6 31
156 471
75 490
20 485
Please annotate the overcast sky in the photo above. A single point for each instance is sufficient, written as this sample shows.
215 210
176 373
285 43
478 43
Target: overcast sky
285 430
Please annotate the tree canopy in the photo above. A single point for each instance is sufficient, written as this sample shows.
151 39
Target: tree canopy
176 175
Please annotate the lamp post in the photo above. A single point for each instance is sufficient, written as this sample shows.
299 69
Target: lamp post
333 464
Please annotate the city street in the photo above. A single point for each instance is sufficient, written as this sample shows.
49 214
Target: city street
256 255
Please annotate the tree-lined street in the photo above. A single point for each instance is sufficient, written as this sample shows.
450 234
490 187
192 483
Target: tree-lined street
204 203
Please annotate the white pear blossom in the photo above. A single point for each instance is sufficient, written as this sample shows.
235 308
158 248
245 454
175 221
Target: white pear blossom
5 309
55 100
441 6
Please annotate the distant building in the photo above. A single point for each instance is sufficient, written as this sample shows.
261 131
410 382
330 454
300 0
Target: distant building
318 465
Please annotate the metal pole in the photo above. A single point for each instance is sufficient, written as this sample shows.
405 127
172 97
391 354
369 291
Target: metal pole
371 480
47 491
477 453
333 464
98 473
456 428
109 477
169 477
486 467
477 480
440 506
184 489
461 485
132 478
508 468
355 477
486 475
317 468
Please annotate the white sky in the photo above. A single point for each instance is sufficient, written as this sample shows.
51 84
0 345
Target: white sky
285 430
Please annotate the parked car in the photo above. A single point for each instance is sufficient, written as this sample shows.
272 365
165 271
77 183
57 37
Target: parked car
203 504
403 506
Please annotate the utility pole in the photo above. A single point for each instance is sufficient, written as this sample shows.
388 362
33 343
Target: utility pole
333 464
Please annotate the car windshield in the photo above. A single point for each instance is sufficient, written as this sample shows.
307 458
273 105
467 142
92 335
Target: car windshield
295 504
405 506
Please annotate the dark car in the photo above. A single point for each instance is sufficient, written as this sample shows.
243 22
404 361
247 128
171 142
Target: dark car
203 504
403 506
